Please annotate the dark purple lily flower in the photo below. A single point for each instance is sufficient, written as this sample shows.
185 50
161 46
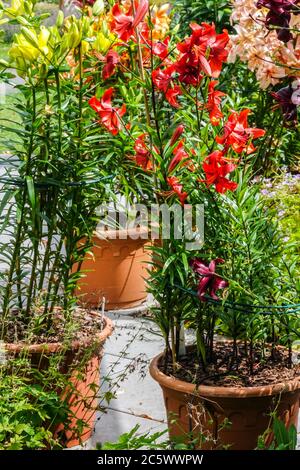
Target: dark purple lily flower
279 16
277 5
285 103
210 281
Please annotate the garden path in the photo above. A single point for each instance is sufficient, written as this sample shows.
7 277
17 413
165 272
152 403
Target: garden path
138 399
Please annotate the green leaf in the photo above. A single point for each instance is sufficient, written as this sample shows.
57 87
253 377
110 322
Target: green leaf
168 263
280 432
31 191
185 262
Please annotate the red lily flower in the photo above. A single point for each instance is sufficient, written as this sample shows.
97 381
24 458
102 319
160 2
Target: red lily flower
162 79
172 95
124 24
142 154
112 58
210 281
213 103
177 187
192 63
218 53
216 167
180 155
237 134
160 48
203 33
194 48
189 71
215 45
203 52
109 116
157 48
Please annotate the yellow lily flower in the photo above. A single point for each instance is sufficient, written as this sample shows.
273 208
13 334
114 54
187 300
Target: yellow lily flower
29 47
104 38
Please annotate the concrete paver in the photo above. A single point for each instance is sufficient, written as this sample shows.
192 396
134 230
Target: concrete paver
138 398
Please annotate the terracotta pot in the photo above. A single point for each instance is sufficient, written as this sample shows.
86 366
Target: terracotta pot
82 397
117 270
203 409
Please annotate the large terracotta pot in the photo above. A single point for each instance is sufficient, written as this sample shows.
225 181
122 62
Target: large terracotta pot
204 409
81 396
116 270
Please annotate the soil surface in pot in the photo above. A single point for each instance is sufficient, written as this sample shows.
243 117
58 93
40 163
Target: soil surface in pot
80 325
222 371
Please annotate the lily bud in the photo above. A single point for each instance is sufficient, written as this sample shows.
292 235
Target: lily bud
105 29
22 21
98 7
28 6
17 8
43 37
177 134
43 71
4 63
60 19
73 37
30 37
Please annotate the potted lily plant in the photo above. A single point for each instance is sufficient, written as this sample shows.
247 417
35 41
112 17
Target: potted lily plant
49 205
116 265
181 131
221 390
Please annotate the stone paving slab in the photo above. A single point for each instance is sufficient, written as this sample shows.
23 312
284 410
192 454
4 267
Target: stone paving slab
138 394
139 399
134 336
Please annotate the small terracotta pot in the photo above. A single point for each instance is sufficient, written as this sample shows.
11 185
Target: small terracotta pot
81 396
117 270
204 409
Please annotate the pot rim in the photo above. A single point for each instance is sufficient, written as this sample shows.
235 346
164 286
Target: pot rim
222 392
100 338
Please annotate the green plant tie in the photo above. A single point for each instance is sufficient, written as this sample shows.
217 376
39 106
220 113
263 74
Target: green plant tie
246 308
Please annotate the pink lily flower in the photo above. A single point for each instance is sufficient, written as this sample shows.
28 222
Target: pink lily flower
210 281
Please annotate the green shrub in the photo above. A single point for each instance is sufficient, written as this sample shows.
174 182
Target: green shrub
217 11
27 414
133 440
284 193
281 437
